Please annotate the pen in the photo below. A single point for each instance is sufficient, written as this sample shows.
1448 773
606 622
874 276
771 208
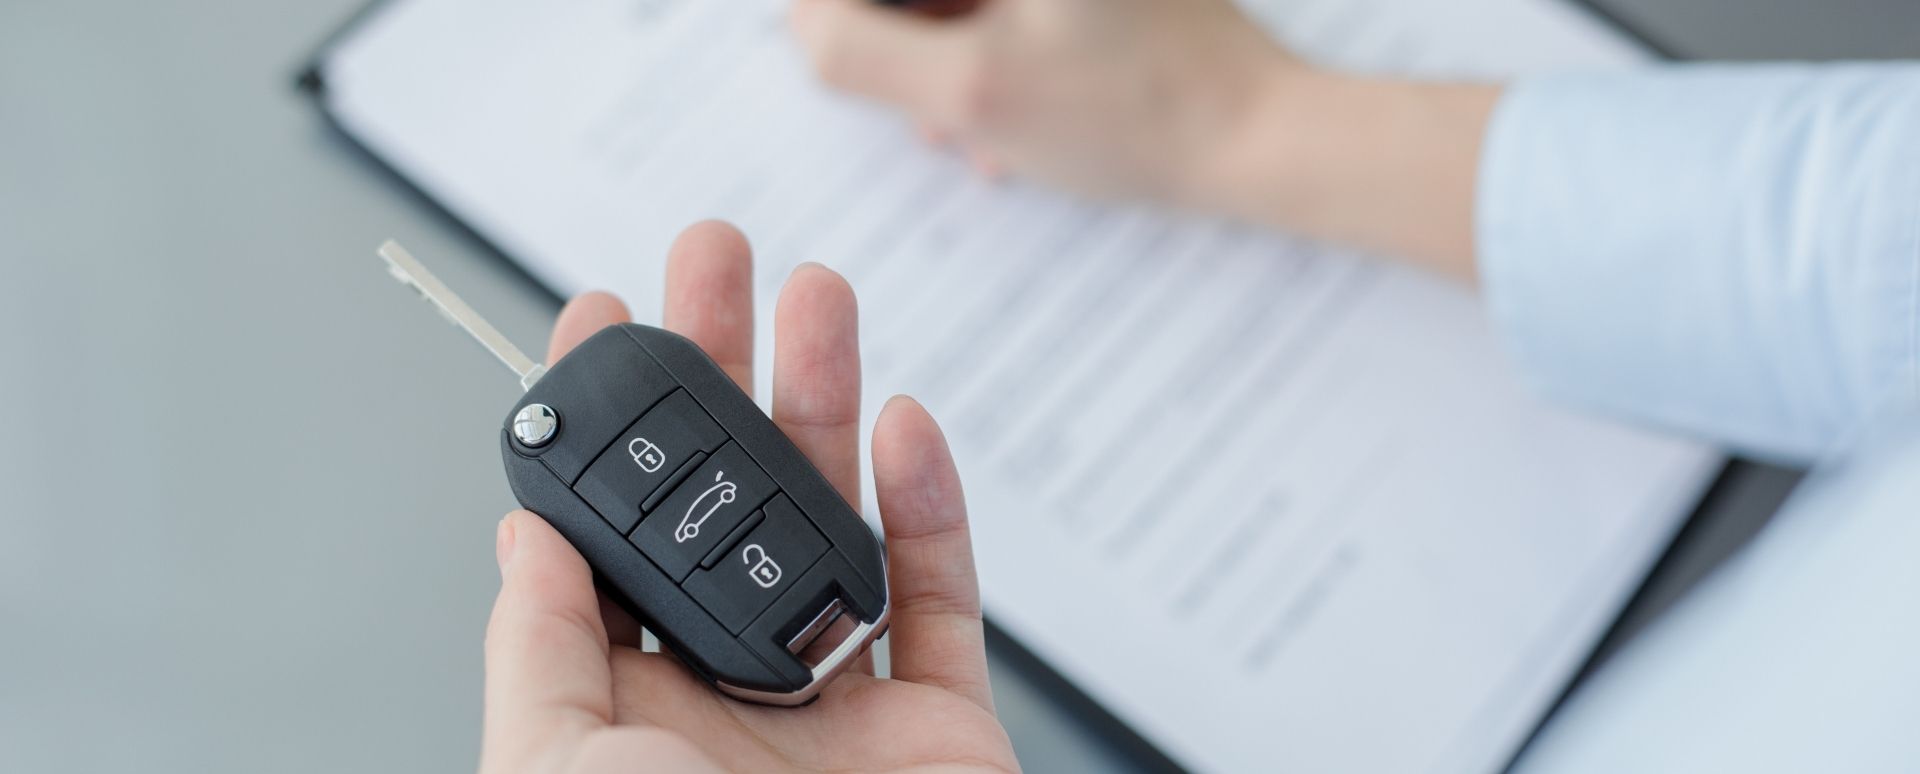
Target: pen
936 8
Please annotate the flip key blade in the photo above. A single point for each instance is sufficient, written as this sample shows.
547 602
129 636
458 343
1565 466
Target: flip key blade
402 265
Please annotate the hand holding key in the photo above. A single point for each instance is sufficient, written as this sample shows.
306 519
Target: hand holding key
568 689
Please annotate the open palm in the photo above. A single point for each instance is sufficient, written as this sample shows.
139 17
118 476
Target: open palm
569 690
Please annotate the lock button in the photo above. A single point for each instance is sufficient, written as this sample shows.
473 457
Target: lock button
760 566
674 434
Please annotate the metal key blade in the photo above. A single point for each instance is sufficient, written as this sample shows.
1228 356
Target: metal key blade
402 265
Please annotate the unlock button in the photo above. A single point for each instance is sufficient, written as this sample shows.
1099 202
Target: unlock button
740 586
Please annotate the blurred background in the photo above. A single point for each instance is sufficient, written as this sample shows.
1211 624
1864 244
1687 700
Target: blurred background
251 496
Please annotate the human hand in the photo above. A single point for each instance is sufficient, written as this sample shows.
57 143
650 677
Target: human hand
1109 97
1180 102
569 690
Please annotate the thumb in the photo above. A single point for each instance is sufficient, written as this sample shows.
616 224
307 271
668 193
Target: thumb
910 60
548 681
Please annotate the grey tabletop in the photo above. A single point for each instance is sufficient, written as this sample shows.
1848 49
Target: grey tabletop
252 495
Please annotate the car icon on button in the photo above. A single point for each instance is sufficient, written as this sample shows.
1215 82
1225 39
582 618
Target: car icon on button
704 506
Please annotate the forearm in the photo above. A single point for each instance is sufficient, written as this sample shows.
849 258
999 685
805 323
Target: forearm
1387 166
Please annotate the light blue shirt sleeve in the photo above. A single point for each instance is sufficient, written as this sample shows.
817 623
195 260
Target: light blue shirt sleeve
1728 251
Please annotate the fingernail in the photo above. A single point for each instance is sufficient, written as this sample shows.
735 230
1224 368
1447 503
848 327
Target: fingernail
503 543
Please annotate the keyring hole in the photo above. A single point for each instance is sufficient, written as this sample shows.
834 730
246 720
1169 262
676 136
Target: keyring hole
830 627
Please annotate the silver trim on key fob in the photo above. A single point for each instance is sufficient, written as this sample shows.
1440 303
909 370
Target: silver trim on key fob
830 667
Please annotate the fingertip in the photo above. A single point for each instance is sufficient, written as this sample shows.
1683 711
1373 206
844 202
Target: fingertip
542 573
815 26
804 19
934 135
988 167
713 259
583 316
818 318
820 25
901 408
710 260
537 542
503 536
914 467
815 286
906 423
594 305
514 517
523 534
713 237
905 402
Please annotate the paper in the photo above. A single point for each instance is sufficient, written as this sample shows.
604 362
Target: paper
1276 507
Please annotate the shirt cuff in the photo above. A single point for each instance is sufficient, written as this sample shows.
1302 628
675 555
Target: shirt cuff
1732 252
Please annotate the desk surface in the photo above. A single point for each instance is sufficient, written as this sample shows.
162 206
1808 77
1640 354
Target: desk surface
252 492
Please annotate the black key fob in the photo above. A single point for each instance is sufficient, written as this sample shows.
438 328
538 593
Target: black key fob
697 515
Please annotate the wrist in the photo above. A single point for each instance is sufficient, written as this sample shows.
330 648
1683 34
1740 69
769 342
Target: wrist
1384 165
1262 152
1285 146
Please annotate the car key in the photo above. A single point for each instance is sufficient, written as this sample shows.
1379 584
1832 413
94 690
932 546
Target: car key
695 512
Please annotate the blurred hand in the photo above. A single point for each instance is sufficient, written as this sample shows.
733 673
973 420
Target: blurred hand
1107 97
568 689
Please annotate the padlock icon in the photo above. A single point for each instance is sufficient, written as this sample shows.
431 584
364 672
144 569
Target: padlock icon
646 455
763 570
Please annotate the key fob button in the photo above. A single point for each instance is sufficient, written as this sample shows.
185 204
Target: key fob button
759 568
702 510
641 459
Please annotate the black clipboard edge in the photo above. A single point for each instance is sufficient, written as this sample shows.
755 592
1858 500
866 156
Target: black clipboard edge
1622 630
312 77
1628 28
1081 707
311 80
